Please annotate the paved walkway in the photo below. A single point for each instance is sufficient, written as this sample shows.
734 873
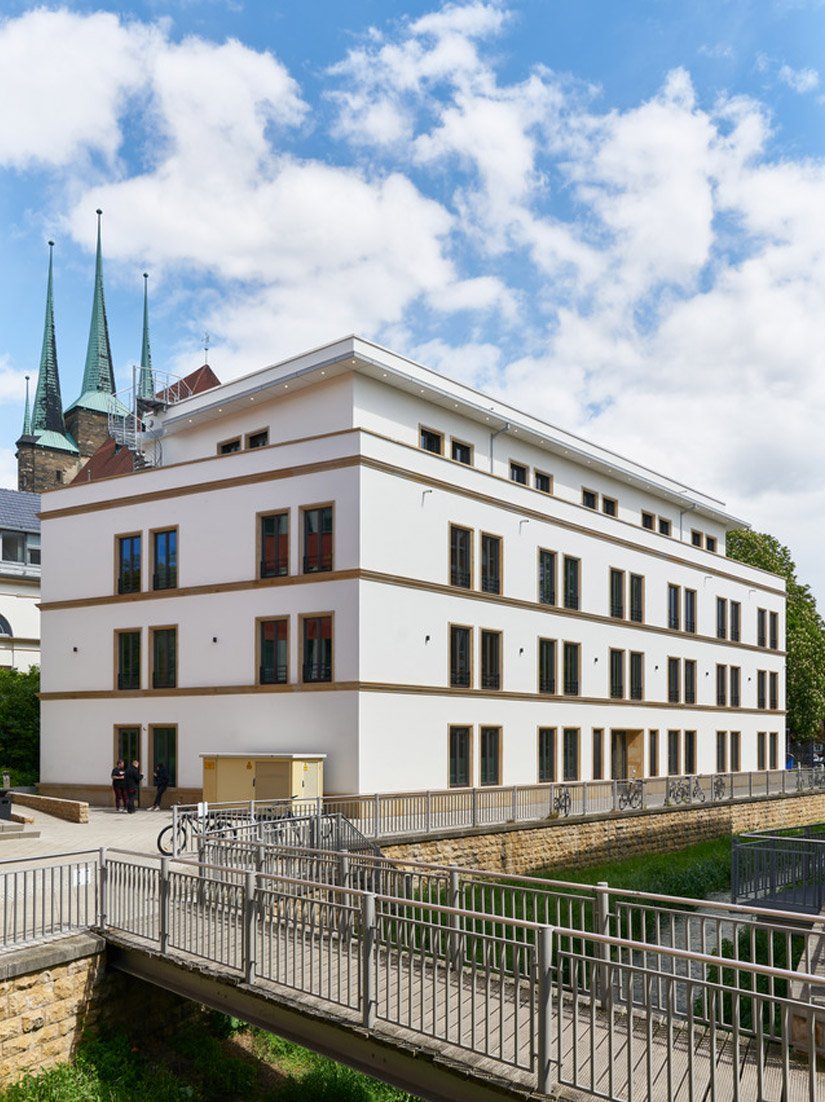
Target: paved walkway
105 828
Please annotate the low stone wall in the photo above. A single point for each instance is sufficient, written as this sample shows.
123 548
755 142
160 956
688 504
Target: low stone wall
101 795
525 848
51 994
73 811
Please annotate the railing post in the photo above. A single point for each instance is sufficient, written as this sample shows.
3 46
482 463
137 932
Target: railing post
174 830
514 808
455 947
103 889
734 871
475 807
585 790
615 794
750 786
544 1009
250 926
429 812
643 783
368 977
784 778
164 906
375 813
602 918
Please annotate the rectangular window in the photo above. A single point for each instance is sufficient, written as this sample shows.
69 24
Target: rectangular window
164 658
163 742
461 453
721 618
721 751
33 548
459 757
774 750
272 652
571 669
774 629
165 557
544 482
490 751
128 564
648 521
690 752
547 755
774 690
610 506
690 681
518 473
760 749
721 686
547 577
547 666
673 607
710 543
127 743
696 538
258 439
617 675
761 628
318 540
490 564
598 753
690 611
664 527
571 582
617 594
570 752
128 659
227 447
275 545
674 756
735 621
460 556
491 659
460 657
735 687
637 598
637 684
653 753
761 695
673 692
735 751
589 499
317 648
431 441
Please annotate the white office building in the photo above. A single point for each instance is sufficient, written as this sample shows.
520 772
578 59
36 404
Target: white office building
19 580
349 554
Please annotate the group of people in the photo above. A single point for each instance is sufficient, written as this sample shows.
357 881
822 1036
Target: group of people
126 786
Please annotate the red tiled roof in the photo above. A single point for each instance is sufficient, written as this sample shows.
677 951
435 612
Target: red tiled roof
196 382
108 460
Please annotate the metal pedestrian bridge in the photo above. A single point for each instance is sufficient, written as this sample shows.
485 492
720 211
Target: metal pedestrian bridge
453 983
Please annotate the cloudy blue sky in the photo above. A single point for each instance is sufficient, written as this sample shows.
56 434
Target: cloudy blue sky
610 213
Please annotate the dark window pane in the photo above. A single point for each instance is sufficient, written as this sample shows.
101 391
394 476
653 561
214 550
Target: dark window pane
673 680
690 610
547 755
317 540
275 545
459 757
636 675
460 657
317 663
490 660
491 564
637 598
490 764
166 560
165 750
128 580
571 754
547 577
460 544
544 483
432 441
462 453
571 669
589 499
128 660
258 439
518 473
571 583
164 658
673 607
617 593
547 665
273 652
617 674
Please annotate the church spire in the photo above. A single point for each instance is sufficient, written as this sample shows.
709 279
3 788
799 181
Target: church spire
47 415
27 413
98 374
146 380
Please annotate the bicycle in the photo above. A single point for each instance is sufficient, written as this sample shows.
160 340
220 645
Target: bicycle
191 826
630 795
563 802
720 788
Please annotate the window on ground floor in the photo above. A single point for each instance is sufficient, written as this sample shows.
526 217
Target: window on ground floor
547 755
674 756
490 756
163 744
653 753
459 757
690 752
570 751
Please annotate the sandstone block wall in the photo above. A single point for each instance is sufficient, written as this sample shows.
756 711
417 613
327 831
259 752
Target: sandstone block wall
73 811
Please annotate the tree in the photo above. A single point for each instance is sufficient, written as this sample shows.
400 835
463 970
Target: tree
805 631
20 724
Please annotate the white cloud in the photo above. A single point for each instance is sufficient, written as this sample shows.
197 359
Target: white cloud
799 80
8 469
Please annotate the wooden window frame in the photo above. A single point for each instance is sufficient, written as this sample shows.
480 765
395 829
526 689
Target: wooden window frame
543 474
499 755
153 534
251 436
470 554
451 627
116 679
120 536
463 444
259 541
578 733
554 758
482 632
500 541
302 551
540 690
150 750
259 621
221 444
153 629
302 618
564 645
469 728
434 432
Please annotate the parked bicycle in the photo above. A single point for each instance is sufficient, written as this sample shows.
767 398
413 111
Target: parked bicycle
685 790
563 802
191 826
630 795
720 788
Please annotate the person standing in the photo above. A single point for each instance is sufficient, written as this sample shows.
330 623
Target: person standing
161 779
119 785
133 779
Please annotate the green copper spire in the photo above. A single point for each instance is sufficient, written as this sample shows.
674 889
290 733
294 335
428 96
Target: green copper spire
27 413
146 380
46 419
98 373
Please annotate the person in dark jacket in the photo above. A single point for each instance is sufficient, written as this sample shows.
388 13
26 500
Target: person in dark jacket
161 784
133 779
119 785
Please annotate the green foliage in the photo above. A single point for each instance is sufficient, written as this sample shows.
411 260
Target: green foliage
805 634
20 724
761 947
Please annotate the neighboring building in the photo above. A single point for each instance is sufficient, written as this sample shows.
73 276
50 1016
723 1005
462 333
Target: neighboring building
19 580
347 553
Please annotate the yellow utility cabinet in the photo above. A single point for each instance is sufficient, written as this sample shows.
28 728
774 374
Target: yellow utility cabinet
229 778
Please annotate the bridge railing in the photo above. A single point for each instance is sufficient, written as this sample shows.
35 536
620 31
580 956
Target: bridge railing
47 897
395 814
785 868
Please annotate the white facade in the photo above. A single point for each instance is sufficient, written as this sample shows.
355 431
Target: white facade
19 580
344 429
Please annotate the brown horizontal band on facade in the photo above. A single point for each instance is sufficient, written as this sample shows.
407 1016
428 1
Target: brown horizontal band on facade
402 472
15 579
409 690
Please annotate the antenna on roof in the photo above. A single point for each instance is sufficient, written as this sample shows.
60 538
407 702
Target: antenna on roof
206 348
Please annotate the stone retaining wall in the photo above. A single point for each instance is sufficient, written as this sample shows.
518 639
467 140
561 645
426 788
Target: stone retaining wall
51 994
73 811
101 795
525 848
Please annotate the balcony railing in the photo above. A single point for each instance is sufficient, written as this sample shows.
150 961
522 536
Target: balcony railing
317 671
273 675
165 579
460 576
490 680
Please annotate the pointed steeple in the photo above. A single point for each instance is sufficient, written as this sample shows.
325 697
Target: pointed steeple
27 413
146 379
47 415
98 373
